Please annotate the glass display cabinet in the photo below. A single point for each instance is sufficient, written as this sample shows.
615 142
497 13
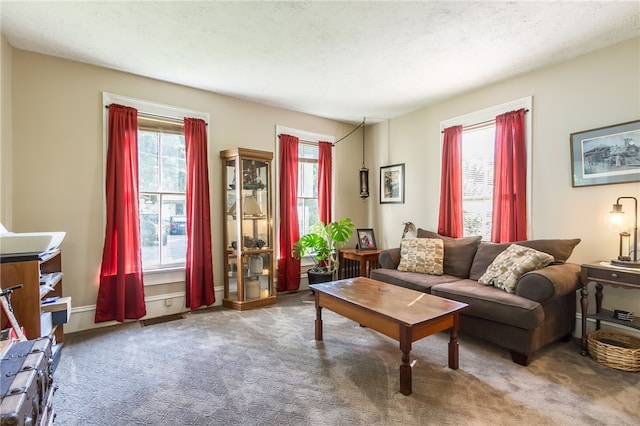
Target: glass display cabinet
248 229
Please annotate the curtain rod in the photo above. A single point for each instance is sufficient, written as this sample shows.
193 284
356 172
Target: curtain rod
482 123
163 117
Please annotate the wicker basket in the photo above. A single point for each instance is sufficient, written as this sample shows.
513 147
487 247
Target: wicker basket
615 350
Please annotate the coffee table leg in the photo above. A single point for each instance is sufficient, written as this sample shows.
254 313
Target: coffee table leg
318 317
453 344
405 367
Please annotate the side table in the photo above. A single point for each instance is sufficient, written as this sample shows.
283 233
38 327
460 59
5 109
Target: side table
601 273
354 262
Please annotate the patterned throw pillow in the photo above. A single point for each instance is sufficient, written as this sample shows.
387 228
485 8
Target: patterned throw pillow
511 264
423 255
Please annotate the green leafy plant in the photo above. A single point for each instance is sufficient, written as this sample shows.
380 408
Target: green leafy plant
323 243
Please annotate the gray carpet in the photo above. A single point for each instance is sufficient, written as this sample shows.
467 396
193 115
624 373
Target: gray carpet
223 367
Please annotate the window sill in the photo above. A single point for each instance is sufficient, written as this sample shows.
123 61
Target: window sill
164 276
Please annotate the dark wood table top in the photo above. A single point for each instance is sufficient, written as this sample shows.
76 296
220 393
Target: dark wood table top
401 304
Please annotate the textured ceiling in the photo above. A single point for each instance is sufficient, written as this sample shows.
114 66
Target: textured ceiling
340 60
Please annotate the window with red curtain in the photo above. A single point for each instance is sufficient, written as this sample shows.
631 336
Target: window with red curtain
510 179
325 176
121 291
450 216
199 267
289 233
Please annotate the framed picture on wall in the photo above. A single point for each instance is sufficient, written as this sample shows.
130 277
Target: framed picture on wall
606 155
366 239
392 184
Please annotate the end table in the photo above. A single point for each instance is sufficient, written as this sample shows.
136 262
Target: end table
601 273
355 262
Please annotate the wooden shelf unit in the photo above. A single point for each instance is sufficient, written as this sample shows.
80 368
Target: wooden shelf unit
248 229
30 270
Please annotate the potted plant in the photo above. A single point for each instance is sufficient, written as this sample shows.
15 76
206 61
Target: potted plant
322 244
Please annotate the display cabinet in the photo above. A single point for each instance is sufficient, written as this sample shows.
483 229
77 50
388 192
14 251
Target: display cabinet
248 228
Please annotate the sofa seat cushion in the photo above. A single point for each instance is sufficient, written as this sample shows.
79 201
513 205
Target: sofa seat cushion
492 304
413 280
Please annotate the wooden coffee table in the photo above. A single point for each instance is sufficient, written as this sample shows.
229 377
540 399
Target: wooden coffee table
400 313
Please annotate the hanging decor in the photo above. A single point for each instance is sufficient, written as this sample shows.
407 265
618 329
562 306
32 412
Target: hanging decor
364 172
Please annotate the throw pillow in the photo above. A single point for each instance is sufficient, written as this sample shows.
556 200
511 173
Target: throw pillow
560 249
458 252
423 255
511 264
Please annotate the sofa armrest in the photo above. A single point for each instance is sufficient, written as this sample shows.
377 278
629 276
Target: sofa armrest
548 282
389 258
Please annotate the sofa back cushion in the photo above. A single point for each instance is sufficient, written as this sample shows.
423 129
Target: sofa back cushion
423 255
560 249
458 252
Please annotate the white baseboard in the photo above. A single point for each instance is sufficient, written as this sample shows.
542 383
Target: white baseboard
591 326
83 317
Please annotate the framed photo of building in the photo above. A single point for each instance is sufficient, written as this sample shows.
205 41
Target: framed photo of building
392 184
606 155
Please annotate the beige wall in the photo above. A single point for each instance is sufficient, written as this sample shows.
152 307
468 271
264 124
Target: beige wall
58 157
595 90
52 154
6 191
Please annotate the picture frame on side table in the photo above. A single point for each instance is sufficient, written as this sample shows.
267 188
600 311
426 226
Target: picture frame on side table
392 184
366 239
606 155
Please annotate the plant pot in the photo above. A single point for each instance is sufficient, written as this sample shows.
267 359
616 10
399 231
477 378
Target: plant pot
319 277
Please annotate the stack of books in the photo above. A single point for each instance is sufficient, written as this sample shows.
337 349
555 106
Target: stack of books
623 315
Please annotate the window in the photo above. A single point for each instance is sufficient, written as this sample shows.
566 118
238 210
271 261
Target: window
478 141
162 184
477 181
307 186
308 154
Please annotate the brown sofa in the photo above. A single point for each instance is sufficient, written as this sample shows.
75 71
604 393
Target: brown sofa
541 311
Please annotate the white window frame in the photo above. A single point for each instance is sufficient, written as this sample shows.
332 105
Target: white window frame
490 114
309 137
159 276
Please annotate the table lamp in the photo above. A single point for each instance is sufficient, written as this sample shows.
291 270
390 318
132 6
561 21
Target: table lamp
628 253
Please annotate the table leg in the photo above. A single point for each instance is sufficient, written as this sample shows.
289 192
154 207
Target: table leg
453 344
318 317
598 303
584 305
405 367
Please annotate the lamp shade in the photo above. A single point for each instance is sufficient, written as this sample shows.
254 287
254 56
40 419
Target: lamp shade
250 207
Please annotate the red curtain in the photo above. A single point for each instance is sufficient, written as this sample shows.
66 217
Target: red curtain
121 292
199 270
510 179
450 217
325 166
288 267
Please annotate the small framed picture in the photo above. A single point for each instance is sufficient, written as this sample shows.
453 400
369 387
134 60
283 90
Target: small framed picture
392 184
606 155
366 239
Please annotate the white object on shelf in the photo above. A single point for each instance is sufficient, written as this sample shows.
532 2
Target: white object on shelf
28 242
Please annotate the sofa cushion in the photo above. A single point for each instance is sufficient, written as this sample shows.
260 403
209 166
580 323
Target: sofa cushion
458 252
412 280
511 264
492 304
423 255
560 249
